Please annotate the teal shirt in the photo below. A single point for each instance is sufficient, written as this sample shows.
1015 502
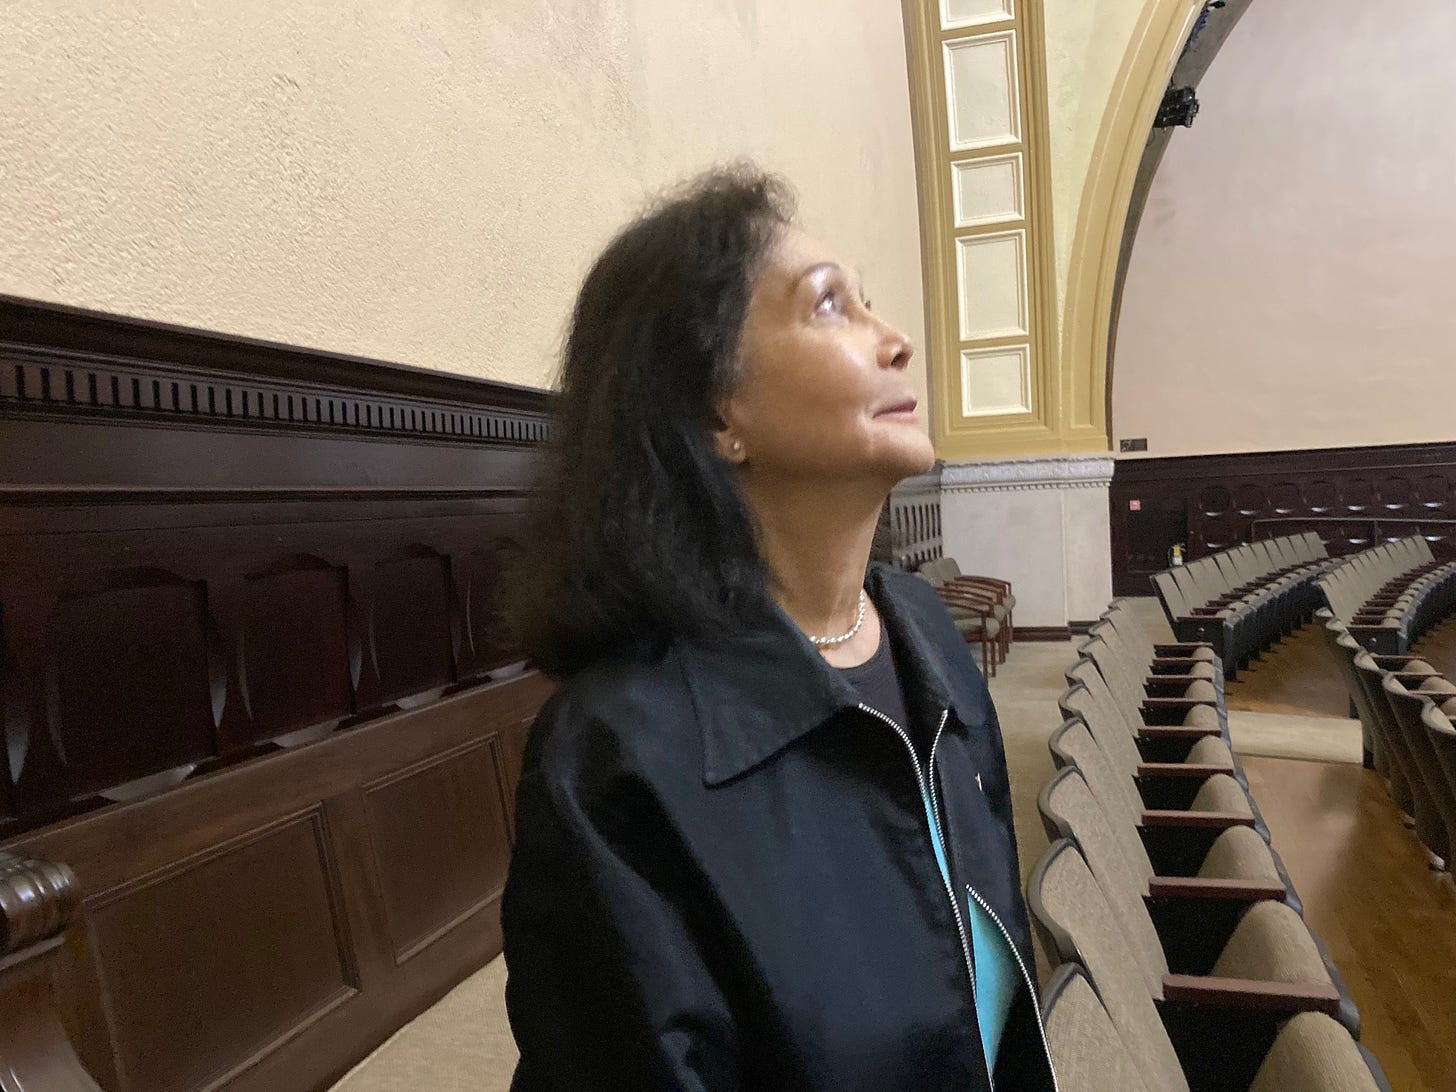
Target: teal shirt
997 976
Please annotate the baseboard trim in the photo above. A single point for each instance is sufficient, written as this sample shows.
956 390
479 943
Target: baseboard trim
1043 633
1081 629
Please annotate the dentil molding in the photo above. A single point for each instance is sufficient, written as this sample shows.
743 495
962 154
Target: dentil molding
1016 475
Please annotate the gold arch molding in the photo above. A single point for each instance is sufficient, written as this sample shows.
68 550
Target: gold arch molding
1157 42
1066 385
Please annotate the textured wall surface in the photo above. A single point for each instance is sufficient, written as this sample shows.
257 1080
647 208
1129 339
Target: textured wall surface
425 181
1290 286
1040 522
1085 44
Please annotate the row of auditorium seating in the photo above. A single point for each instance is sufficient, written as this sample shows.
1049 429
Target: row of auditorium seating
1244 599
981 607
1182 958
1405 708
1388 596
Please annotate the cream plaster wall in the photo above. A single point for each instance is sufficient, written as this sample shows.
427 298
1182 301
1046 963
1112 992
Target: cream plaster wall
1290 285
1086 41
425 181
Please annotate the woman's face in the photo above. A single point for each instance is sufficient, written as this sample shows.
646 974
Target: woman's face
822 390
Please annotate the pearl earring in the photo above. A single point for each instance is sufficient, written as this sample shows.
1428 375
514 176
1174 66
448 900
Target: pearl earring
738 447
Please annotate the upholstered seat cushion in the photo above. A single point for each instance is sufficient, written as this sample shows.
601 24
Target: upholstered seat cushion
1222 793
1240 854
1313 1054
1202 716
1271 943
1201 690
1210 751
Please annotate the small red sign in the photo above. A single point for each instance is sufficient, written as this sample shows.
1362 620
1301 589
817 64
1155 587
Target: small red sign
1134 506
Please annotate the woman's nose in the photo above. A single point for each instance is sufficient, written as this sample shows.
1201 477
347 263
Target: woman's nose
895 350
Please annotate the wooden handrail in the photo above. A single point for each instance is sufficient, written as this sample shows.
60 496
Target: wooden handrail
38 901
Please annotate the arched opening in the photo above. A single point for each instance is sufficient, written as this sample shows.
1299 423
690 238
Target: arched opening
1274 304
1282 262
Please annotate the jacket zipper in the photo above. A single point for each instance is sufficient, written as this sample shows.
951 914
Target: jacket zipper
1026 977
925 795
985 906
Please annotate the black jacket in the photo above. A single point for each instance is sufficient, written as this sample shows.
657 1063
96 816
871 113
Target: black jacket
724 876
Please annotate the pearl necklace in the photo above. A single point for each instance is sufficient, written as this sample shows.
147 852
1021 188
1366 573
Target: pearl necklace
825 642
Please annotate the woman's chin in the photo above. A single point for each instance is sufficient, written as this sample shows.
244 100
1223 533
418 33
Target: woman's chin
907 454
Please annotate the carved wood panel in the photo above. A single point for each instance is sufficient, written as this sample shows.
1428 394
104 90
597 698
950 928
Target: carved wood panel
290 655
226 631
441 841
264 927
187 579
409 613
1353 497
121 660
189 993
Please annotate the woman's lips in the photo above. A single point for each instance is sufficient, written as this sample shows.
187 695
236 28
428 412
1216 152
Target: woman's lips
903 408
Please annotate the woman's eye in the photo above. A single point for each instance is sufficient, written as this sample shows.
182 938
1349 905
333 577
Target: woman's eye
829 301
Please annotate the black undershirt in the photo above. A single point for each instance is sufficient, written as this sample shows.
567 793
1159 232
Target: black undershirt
878 683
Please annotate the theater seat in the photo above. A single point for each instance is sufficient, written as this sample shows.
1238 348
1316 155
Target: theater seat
1225 1030
1313 1054
1310 1053
1087 1052
1227 930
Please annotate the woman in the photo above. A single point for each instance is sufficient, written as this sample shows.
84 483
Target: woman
764 829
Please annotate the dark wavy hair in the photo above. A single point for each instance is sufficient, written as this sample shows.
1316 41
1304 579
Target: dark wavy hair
642 534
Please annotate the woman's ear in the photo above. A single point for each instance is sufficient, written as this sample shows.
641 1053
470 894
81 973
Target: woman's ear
730 447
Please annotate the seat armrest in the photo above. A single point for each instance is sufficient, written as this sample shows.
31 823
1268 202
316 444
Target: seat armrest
1201 887
1182 769
989 581
980 583
1174 665
983 607
1180 704
1190 732
958 592
1394 662
1159 685
1205 820
1290 997
1175 731
959 598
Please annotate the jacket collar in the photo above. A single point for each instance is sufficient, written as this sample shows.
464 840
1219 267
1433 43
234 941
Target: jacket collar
757 692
